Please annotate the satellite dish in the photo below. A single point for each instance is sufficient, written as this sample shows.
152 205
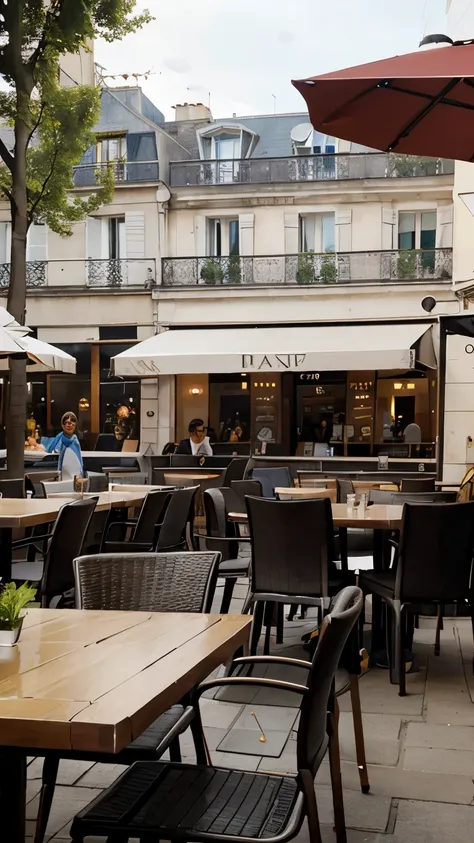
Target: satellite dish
301 133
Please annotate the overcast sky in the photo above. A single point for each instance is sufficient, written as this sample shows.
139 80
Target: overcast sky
241 53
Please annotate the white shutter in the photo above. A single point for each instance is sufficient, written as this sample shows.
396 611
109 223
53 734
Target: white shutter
200 239
343 230
246 234
5 242
292 233
94 244
36 244
388 227
444 228
134 235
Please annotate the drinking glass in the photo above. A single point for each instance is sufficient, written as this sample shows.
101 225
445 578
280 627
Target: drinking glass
351 499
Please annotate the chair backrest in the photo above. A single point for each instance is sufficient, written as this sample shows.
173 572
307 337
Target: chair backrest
292 544
381 496
418 484
184 461
106 442
65 544
151 513
130 446
234 471
242 488
412 434
13 488
146 582
270 478
399 498
344 488
435 552
98 483
178 515
217 524
335 630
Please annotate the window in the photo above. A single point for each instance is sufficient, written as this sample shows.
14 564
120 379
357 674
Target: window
223 237
111 149
117 248
226 146
417 230
318 233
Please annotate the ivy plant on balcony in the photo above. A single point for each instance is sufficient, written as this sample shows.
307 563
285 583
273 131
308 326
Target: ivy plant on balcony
305 270
234 274
212 272
328 271
409 166
407 265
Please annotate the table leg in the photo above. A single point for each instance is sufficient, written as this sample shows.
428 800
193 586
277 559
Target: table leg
6 554
378 648
13 797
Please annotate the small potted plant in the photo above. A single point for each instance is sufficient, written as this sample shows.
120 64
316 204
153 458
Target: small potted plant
212 272
12 602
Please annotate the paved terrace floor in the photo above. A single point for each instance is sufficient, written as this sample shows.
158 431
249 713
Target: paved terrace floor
420 748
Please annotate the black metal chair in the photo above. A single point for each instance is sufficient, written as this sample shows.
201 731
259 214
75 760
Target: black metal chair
106 442
242 488
177 582
143 530
434 564
13 487
97 483
272 478
159 801
293 554
65 545
176 530
344 488
222 536
418 484
184 461
234 471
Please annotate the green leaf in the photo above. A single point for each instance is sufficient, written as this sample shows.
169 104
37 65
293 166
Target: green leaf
13 600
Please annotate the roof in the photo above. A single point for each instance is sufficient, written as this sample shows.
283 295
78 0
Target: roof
273 131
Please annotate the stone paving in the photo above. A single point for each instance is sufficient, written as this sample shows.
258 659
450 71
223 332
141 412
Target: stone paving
420 748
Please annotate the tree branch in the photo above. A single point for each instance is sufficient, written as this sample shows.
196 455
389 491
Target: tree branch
44 186
37 122
53 11
6 155
6 192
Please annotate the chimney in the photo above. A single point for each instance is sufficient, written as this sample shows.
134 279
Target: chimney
192 111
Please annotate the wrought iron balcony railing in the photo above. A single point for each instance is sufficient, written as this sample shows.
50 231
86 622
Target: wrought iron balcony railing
85 175
309 268
307 168
106 272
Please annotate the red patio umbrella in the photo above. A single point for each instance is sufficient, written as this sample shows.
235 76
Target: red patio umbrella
421 103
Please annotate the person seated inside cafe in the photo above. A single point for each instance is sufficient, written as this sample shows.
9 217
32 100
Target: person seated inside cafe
197 444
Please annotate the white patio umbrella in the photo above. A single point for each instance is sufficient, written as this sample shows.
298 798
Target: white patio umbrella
16 342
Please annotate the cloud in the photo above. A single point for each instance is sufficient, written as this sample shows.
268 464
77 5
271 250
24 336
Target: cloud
177 65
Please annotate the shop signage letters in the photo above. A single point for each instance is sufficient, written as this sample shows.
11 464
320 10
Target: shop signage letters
255 362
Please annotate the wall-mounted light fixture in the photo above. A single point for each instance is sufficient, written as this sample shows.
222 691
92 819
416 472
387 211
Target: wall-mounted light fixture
196 390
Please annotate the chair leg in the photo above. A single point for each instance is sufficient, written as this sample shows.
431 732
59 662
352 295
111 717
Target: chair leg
439 627
200 745
399 654
280 623
175 752
229 584
336 776
292 612
50 774
359 734
256 627
314 828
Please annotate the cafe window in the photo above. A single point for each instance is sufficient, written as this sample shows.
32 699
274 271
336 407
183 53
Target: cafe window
318 233
229 407
119 397
223 237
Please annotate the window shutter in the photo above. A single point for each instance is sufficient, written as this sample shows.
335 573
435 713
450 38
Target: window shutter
94 238
5 242
388 228
246 234
200 236
444 232
36 249
343 230
292 233
134 235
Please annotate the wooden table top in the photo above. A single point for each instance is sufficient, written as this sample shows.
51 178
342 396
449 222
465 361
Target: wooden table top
26 512
189 476
92 681
106 500
377 517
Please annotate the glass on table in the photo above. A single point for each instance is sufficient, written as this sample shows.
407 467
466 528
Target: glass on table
363 500
351 501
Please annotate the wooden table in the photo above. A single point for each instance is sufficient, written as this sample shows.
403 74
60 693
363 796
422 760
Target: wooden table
305 493
107 500
187 478
83 680
376 517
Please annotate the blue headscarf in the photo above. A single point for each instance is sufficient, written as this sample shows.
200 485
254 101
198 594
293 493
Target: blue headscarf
60 442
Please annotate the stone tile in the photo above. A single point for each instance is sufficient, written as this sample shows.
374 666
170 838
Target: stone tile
378 696
69 771
248 741
276 697
450 761
276 718
459 713
66 803
102 775
33 787
234 760
381 736
421 822
218 714
440 737
406 784
363 811
285 763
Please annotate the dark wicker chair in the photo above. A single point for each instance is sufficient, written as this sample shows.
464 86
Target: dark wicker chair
177 582
234 471
143 530
222 536
344 488
97 483
176 530
418 484
272 478
211 803
242 488
434 564
65 544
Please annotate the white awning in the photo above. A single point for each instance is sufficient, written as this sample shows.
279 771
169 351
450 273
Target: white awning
345 347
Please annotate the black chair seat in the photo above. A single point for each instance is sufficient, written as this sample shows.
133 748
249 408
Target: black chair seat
378 582
238 566
158 732
156 801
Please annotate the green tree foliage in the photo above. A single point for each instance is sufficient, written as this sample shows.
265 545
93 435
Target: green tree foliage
34 34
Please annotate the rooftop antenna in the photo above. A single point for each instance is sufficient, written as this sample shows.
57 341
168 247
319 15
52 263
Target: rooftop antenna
274 104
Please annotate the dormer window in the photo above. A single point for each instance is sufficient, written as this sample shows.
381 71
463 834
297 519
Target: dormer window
226 146
225 142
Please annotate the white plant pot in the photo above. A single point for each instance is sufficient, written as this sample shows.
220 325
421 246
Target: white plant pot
9 637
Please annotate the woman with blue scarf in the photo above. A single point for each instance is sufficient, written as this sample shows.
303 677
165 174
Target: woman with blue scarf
67 445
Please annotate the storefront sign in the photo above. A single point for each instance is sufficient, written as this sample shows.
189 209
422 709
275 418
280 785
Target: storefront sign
255 362
310 376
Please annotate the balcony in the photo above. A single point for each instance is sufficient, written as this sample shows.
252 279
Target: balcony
310 168
309 269
125 172
102 273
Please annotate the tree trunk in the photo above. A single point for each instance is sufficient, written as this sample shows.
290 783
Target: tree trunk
16 410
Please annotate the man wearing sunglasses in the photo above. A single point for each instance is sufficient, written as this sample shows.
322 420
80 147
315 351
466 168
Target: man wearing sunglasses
198 443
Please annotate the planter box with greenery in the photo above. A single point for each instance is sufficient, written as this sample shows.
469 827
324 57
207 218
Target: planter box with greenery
328 271
12 602
305 271
212 272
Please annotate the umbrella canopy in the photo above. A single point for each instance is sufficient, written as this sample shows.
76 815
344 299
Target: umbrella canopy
421 103
16 342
